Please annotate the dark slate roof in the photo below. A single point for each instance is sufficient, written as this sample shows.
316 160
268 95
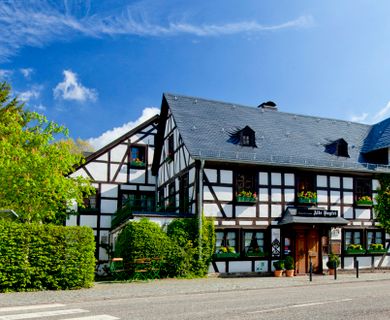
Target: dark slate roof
378 137
282 138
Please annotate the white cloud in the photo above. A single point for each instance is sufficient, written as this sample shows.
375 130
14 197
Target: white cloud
43 22
5 74
39 107
359 118
33 93
373 118
26 72
115 133
72 89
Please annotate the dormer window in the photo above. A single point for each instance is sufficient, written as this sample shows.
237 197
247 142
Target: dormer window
244 137
338 148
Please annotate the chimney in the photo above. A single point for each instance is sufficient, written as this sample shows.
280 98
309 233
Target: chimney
269 105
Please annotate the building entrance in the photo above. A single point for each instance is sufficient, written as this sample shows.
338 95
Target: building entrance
307 245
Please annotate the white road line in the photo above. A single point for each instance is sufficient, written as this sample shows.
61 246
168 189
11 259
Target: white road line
98 317
32 307
41 314
310 304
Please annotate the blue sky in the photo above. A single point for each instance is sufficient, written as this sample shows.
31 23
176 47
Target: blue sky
99 67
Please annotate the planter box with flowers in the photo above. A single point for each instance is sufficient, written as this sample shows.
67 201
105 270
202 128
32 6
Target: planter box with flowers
307 197
137 163
246 196
355 249
376 248
226 252
256 253
364 201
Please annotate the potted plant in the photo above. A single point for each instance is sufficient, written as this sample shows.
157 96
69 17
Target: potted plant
307 197
333 262
279 267
138 163
289 265
364 201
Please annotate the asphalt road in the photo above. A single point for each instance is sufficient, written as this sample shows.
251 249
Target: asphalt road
255 298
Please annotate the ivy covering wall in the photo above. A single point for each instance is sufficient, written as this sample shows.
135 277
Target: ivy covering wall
36 256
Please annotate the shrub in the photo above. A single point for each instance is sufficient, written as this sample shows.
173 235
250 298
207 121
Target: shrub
279 265
141 239
332 260
289 263
36 256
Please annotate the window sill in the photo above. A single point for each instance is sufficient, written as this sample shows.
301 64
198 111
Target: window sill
307 201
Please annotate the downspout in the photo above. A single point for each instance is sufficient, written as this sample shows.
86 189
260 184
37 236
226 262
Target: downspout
200 207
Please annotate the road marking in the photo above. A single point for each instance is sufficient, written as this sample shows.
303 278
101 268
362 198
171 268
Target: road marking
99 317
31 307
310 304
41 314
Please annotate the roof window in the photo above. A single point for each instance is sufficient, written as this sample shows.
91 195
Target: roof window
338 148
244 137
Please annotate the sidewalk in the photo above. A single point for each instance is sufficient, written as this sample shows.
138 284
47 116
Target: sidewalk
174 287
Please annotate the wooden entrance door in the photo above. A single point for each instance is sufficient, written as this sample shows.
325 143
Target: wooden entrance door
307 245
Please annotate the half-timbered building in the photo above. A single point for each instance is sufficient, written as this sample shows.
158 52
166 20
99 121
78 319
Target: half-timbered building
276 183
121 174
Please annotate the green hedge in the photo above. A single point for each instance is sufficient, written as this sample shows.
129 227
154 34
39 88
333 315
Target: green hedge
178 247
37 257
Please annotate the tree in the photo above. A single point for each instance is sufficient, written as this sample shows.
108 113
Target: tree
78 146
34 168
382 208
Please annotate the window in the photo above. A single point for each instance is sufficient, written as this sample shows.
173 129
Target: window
91 203
137 157
161 199
184 199
138 201
254 243
338 148
171 148
171 197
374 237
246 186
352 238
245 137
225 239
362 189
306 182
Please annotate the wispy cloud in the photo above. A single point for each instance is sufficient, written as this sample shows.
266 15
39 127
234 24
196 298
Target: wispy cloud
33 93
26 72
380 115
5 74
115 133
72 89
39 107
42 22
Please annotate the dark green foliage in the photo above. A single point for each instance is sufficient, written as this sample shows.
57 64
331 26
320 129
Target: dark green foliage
279 265
141 239
289 263
121 216
382 208
36 257
333 259
178 247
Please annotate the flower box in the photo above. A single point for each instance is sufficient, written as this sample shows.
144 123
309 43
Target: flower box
223 255
307 200
256 254
355 251
364 203
245 199
376 251
137 164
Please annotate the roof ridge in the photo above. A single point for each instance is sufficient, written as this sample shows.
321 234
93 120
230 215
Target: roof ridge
279 112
